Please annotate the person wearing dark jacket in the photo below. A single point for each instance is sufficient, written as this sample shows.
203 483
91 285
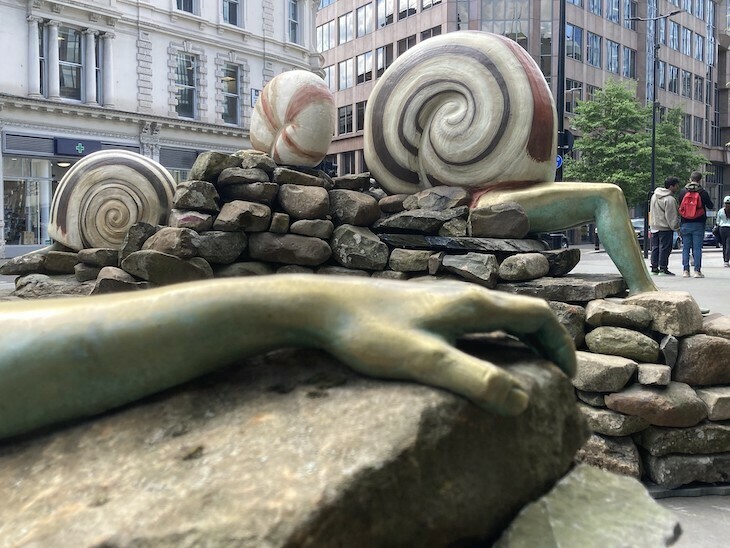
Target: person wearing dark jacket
692 230
663 223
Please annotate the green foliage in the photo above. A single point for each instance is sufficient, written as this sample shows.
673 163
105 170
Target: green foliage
615 146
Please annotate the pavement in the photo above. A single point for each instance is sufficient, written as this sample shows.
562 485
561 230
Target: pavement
712 291
703 511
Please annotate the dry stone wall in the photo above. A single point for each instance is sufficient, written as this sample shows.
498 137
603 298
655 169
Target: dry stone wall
241 214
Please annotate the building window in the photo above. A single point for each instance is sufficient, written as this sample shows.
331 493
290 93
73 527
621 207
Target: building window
700 9
595 6
346 24
593 50
360 115
612 11
628 68
346 69
406 8
546 49
325 3
699 89
325 36
631 10
425 4
576 2
365 20
365 67
574 42
673 83
329 77
686 84
573 94
591 92
662 80
383 59
347 162
673 35
185 88
406 44
385 10
99 56
687 126
430 33
293 21
699 47
42 61
686 41
612 56
70 66
231 95
687 5
662 30
187 5
231 13
462 14
344 117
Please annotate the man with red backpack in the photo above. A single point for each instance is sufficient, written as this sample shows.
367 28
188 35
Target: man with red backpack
694 201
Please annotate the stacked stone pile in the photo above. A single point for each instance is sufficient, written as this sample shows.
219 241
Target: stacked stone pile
653 384
241 214
653 377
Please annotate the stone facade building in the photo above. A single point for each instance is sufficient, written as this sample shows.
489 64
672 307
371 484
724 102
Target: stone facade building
360 39
167 78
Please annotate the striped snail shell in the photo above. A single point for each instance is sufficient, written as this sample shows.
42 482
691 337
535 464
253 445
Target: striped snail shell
294 119
467 108
104 194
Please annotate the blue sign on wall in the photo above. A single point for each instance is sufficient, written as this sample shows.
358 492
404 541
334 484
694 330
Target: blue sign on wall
75 147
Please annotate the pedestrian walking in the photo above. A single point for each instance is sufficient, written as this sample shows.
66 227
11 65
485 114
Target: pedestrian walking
723 222
663 223
694 201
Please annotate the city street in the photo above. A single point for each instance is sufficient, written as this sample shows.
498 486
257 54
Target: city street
712 291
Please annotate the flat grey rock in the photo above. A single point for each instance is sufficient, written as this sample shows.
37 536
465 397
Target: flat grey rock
292 449
590 507
571 288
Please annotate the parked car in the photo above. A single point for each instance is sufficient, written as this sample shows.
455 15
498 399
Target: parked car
554 240
710 239
638 225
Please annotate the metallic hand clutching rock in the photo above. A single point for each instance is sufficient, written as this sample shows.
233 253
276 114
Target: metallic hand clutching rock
66 359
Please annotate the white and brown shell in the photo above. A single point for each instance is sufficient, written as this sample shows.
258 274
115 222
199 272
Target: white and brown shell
104 194
294 119
468 108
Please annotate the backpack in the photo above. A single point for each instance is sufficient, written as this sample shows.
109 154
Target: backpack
691 206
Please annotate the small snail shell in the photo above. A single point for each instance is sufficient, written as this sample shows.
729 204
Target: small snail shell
467 109
104 194
294 118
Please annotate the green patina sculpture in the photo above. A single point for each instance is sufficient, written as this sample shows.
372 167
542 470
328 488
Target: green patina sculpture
71 358
65 359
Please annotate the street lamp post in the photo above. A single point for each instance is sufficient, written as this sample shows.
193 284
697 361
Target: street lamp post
654 105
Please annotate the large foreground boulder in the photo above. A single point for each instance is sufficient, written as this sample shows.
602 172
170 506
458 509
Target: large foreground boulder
292 449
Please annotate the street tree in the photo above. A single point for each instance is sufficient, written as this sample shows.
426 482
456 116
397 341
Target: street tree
615 143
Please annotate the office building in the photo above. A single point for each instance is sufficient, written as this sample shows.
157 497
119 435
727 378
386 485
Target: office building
166 78
359 39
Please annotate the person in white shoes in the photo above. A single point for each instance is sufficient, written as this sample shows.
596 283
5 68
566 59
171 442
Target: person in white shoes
694 201
663 223
723 222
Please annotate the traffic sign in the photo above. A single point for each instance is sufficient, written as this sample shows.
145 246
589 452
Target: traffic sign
559 162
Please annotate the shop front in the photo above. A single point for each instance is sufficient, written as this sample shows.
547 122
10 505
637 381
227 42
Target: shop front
32 166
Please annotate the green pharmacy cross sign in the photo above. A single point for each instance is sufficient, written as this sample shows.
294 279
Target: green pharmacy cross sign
75 147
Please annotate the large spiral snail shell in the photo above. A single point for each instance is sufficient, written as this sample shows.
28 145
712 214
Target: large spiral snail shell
467 109
294 118
104 194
